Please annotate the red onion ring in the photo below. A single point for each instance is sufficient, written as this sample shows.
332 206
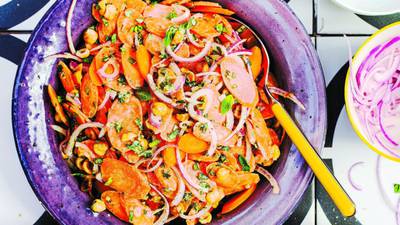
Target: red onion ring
288 95
275 186
59 129
349 175
195 58
183 17
164 216
243 116
105 100
182 168
161 96
76 132
181 188
73 99
68 27
155 121
98 47
237 44
102 70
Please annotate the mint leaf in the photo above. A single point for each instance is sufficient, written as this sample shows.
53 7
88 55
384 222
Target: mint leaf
227 104
244 164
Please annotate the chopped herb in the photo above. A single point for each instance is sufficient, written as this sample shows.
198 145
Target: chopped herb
196 166
241 29
222 158
209 60
123 96
108 37
138 149
81 138
226 104
180 101
217 50
113 38
187 196
60 99
131 60
105 22
108 182
203 127
131 216
173 134
123 49
121 80
88 59
201 176
78 175
143 95
139 123
211 172
396 188
137 28
97 6
220 28
117 126
139 20
172 15
169 35
224 148
106 58
165 174
243 163
163 55
154 143
204 185
98 161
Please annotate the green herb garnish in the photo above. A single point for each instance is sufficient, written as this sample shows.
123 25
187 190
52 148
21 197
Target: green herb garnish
154 143
123 96
220 28
113 38
396 188
172 15
196 166
117 126
139 123
227 104
243 163
98 161
143 95
169 35
108 182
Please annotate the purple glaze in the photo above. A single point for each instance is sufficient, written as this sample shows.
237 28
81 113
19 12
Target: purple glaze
293 57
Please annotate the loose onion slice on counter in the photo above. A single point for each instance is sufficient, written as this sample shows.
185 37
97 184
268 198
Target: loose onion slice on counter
350 177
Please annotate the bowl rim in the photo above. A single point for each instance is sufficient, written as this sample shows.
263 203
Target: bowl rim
303 185
347 94
364 12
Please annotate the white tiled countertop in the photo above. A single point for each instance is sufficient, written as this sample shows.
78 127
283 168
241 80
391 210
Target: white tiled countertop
325 22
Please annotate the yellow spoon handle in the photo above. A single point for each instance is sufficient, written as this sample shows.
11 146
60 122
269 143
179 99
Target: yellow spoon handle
321 171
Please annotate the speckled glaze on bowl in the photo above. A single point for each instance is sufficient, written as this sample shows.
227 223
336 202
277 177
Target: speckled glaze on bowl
295 64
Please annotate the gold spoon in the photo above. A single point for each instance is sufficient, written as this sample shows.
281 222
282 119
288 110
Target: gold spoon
338 195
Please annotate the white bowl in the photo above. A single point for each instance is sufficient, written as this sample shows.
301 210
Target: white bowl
383 35
370 7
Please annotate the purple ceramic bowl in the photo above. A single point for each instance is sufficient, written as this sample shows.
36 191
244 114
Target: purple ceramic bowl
294 61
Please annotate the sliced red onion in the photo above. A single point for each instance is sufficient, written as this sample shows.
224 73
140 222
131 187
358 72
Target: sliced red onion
288 95
195 58
243 116
240 53
158 164
204 74
237 45
181 188
98 47
105 100
102 132
157 92
230 119
68 27
197 215
59 129
183 17
87 152
275 186
349 175
73 99
184 173
155 121
63 56
102 71
229 38
223 48
164 216
77 131
137 42
192 39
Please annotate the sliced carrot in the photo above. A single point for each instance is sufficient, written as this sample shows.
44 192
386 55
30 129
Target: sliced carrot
202 3
89 97
236 201
212 9
143 60
56 104
101 115
81 118
256 61
65 75
93 74
77 76
123 177
125 23
113 202
191 144
130 67
138 5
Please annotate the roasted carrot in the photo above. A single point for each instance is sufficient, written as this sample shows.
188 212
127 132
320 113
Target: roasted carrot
114 204
65 76
143 60
89 97
77 76
191 144
130 67
93 74
238 199
256 61
56 104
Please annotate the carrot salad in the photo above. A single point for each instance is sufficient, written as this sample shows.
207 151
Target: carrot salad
162 111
